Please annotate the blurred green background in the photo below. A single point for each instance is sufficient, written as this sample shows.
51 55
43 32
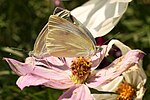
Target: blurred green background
22 20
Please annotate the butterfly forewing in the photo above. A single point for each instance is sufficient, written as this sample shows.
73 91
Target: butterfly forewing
64 36
66 39
67 15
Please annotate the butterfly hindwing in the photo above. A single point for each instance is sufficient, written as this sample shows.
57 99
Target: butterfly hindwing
40 43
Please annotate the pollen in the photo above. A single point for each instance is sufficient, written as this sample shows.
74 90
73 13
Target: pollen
81 68
126 92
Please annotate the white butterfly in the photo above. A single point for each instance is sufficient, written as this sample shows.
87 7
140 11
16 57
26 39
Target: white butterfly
64 36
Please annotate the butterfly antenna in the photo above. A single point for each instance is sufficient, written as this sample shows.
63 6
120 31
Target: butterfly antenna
111 38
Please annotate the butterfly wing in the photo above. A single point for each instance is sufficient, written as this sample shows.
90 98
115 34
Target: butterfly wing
40 45
64 36
64 13
66 39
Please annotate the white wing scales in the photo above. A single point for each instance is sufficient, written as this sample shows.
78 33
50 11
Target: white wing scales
39 45
64 38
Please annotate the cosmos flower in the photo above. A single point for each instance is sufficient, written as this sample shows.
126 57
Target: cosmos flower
129 86
75 75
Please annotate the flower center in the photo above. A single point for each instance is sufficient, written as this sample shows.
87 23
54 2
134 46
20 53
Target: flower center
80 68
126 92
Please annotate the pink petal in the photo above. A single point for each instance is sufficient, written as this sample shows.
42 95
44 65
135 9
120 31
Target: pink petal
30 60
124 49
55 61
30 80
59 79
59 84
18 67
80 92
68 61
52 76
50 73
96 60
51 61
116 68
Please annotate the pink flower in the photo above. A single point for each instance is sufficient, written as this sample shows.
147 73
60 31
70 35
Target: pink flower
129 85
75 74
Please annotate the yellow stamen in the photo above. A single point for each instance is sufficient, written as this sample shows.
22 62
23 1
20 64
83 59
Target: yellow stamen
126 92
80 68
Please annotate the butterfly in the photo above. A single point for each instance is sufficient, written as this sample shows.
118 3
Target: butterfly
64 36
